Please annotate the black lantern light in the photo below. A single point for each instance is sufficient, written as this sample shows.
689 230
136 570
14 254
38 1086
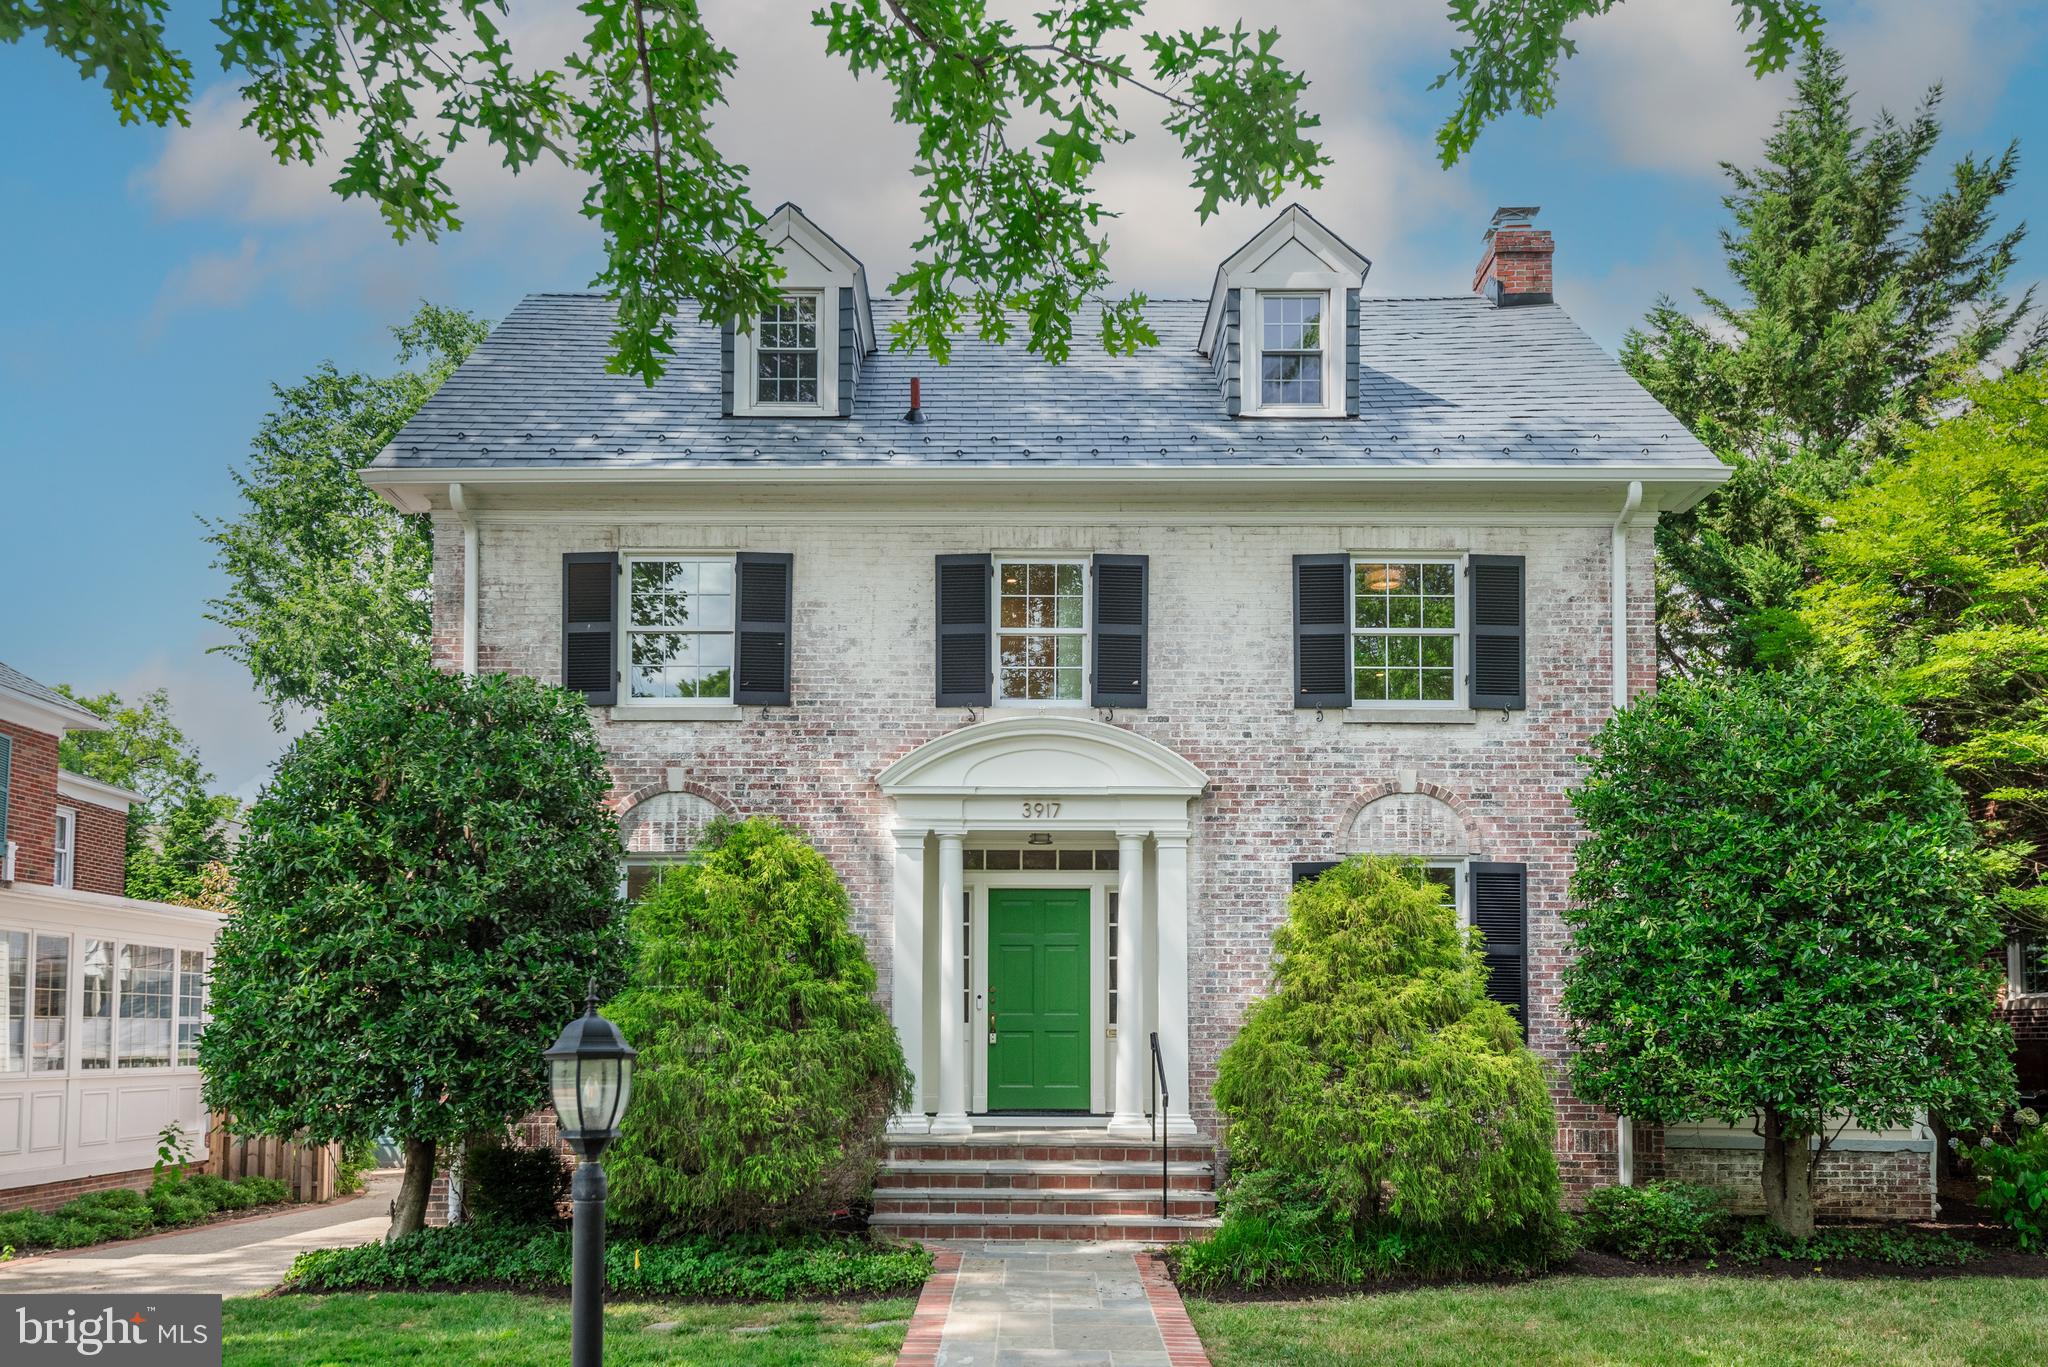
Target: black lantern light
590 1071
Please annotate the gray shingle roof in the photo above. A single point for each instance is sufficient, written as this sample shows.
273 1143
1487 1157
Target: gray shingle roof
14 681
1443 380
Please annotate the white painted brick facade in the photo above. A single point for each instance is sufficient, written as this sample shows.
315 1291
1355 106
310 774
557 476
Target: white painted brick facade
1286 784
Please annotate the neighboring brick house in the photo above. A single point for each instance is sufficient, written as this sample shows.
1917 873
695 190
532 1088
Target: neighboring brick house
1070 669
101 996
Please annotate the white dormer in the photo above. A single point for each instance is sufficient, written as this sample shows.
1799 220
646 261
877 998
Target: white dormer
1281 326
803 357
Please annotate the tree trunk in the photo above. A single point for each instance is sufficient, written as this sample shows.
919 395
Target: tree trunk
409 1211
1788 1178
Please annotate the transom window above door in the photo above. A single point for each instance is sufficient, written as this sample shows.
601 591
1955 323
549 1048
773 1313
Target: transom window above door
1041 630
1405 631
786 352
679 627
1291 350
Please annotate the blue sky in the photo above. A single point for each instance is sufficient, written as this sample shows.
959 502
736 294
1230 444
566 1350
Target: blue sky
160 282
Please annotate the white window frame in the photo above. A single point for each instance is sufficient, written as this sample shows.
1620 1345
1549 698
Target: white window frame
757 404
2015 967
170 1058
628 700
64 873
1256 382
1086 631
1461 885
1460 629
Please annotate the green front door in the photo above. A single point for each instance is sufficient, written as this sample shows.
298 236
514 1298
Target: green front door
1038 999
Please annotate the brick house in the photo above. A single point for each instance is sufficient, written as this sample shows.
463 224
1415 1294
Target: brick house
101 996
1072 670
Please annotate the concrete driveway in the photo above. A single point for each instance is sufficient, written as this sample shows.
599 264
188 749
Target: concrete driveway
233 1259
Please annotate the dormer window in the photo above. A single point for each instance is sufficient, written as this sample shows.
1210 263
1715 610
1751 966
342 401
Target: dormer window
1291 350
786 353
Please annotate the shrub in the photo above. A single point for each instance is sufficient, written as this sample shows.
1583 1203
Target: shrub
506 1185
767 1072
28 1229
1904 1247
100 1216
218 1193
536 1257
1777 916
171 1207
1660 1222
263 1191
1377 1089
1252 1252
2016 1183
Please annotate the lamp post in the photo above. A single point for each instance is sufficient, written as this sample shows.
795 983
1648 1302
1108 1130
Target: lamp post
590 1071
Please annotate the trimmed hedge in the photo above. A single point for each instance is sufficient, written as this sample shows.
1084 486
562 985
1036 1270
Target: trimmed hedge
1257 1252
101 1216
1658 1222
536 1258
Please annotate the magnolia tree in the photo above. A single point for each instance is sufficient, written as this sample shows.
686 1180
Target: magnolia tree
423 895
1778 920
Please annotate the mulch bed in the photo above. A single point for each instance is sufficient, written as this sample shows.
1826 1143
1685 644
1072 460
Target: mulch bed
1999 1259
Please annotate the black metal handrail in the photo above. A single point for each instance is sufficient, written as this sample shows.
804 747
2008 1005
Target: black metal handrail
1160 1104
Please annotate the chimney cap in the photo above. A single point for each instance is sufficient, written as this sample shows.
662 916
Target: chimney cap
1512 216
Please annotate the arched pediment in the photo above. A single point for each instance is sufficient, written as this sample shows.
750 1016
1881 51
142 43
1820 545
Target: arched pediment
1042 754
1413 824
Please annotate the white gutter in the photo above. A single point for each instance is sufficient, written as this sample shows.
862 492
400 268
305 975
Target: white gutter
467 514
1618 592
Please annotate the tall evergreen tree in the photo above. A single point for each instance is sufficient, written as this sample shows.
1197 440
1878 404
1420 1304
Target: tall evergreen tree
327 583
1857 303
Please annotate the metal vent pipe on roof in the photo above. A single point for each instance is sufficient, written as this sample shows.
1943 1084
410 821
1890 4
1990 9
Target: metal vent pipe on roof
916 410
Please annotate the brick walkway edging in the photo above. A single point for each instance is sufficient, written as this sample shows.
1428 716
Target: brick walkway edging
934 1303
1183 1345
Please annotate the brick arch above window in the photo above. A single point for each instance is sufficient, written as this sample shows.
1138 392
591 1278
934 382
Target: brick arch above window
667 822
1425 823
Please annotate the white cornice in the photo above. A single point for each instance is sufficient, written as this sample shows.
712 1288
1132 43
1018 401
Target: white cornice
79 788
36 714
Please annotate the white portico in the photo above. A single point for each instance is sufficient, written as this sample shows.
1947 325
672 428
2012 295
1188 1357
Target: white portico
1041 900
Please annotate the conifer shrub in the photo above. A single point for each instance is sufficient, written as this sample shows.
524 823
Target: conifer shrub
1378 1092
767 1071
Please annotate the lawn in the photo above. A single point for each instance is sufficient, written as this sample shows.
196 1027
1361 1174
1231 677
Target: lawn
506 1330
1647 1322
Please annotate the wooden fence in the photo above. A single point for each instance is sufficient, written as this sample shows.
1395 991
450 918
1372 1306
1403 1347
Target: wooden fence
307 1170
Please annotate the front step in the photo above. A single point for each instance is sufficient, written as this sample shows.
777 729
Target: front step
1067 1185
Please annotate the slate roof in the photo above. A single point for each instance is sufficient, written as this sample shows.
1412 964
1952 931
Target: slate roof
14 681
1451 380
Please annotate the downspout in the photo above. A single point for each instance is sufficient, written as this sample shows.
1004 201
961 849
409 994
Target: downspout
1624 1132
1618 593
467 516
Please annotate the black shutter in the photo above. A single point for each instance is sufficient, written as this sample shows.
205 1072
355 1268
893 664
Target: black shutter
1120 620
1305 869
1499 653
1322 631
590 625
1500 909
762 650
963 647
6 780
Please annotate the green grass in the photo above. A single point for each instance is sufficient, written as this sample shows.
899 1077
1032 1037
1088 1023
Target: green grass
1647 1322
506 1330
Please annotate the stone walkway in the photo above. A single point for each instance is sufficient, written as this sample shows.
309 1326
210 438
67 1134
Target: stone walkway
234 1257
1077 1305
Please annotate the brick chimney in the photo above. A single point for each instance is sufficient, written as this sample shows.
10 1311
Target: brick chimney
1515 267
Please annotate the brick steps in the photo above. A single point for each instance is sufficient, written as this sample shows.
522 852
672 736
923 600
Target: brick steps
1067 1184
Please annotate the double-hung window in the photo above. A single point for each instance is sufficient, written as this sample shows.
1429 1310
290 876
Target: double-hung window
786 352
145 990
1406 636
191 1004
1291 333
2030 963
67 847
679 628
1041 631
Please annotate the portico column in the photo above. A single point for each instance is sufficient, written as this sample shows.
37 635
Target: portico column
952 1117
1172 898
1133 1051
906 986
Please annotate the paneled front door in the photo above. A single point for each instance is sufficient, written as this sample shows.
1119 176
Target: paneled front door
1038 999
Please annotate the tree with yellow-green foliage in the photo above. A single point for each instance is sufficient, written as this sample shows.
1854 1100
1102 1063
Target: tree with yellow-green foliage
1934 584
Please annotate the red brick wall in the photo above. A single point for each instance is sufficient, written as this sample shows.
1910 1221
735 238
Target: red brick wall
101 862
2028 1017
50 1195
1519 258
1849 1184
32 804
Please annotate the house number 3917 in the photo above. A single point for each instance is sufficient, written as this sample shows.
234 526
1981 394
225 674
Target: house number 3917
1036 810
